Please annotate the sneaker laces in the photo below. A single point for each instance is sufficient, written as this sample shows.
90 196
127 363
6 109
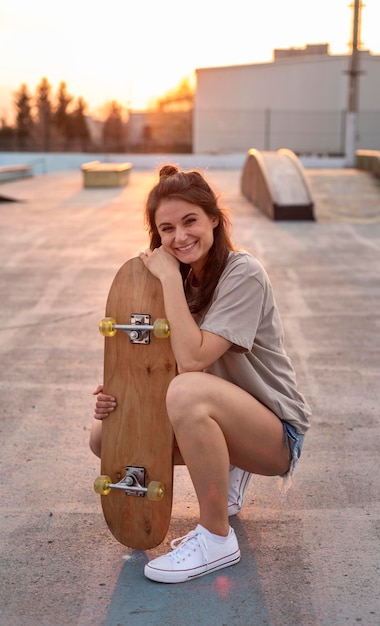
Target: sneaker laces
187 544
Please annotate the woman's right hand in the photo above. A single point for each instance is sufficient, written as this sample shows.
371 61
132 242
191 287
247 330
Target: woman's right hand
104 404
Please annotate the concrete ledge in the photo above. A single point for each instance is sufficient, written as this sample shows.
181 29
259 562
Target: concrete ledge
275 183
97 174
15 172
368 160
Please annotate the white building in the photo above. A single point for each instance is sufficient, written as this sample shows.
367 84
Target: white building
297 101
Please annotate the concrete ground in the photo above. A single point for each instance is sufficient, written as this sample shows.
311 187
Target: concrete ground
310 557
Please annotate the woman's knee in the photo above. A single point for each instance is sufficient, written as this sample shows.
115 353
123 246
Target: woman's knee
95 442
183 394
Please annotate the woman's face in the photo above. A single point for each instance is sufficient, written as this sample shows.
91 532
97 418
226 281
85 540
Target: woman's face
186 231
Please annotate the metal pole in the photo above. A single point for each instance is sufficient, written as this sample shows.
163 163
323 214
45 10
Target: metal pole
353 87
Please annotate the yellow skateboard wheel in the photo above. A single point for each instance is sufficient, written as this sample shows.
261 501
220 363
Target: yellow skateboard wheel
107 327
161 328
102 485
156 490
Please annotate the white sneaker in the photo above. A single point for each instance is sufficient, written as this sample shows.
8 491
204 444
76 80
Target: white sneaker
238 483
196 555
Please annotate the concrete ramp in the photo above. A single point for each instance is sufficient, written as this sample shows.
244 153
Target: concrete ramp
275 183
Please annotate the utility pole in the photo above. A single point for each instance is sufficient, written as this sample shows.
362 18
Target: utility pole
353 86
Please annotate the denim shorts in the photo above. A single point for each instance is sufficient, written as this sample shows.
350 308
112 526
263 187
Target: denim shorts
294 442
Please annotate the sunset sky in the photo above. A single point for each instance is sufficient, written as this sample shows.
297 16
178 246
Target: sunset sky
133 51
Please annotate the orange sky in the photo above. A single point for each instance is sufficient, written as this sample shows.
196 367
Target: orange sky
133 51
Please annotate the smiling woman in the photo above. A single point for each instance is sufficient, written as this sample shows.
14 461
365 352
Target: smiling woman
234 407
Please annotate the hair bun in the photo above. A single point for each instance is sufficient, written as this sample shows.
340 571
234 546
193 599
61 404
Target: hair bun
168 170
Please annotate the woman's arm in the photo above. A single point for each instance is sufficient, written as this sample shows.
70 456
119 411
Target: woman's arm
193 349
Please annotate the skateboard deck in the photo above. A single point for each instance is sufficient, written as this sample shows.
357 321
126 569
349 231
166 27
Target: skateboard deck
136 482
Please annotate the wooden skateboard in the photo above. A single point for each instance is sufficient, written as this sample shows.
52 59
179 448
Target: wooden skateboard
136 482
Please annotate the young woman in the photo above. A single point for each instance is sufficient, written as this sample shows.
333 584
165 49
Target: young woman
234 407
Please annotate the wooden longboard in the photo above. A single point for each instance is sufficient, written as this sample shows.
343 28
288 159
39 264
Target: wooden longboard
138 433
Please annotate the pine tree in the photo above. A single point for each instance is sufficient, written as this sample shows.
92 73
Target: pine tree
113 129
61 115
24 119
78 129
44 109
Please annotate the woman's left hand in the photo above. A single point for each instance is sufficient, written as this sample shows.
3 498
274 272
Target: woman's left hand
160 263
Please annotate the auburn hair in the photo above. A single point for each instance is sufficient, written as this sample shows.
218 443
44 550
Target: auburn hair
193 188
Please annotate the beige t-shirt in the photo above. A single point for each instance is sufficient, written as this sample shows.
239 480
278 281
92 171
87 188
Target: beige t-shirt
243 311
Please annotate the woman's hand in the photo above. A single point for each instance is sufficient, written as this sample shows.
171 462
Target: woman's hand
160 262
104 404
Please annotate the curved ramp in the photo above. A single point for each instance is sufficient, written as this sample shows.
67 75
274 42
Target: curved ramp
275 183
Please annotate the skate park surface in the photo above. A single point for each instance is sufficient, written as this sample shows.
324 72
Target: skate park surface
310 557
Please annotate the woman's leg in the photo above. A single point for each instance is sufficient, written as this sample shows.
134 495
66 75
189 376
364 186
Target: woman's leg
95 443
96 438
217 423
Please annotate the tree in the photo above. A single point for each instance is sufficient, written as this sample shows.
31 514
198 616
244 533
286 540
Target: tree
113 129
44 110
24 119
61 115
6 136
77 126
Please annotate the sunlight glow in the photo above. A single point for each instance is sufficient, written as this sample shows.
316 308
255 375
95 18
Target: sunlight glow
223 586
133 52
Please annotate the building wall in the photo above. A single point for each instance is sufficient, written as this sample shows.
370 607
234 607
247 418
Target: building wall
297 101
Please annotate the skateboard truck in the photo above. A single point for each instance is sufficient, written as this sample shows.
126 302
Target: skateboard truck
138 329
133 484
141 328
